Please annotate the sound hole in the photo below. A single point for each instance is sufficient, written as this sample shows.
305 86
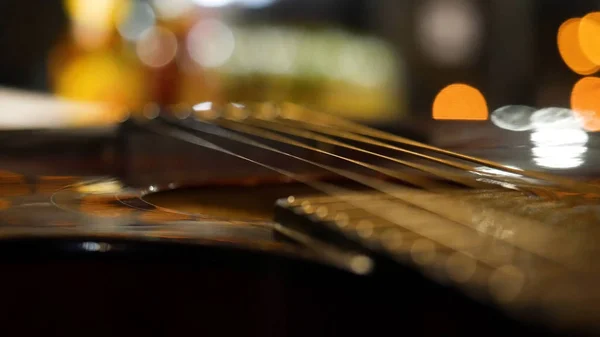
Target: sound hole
228 202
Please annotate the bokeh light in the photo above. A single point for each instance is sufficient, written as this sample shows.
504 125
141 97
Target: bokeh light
450 31
460 102
558 140
570 48
585 102
157 47
561 148
93 20
172 9
246 3
100 77
555 118
589 36
212 3
140 18
210 43
513 117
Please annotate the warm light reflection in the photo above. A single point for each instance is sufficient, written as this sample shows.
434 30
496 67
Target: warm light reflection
585 101
13 184
210 43
460 102
5 203
570 48
105 187
162 217
105 206
589 36
157 47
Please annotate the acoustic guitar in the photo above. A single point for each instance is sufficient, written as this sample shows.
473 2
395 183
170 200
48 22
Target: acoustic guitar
275 220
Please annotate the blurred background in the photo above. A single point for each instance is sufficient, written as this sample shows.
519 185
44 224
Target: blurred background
382 62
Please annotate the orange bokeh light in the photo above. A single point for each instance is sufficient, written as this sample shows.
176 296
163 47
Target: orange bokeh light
570 48
585 101
460 102
589 36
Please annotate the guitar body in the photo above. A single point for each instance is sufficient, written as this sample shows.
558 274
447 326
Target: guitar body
158 289
130 233
98 274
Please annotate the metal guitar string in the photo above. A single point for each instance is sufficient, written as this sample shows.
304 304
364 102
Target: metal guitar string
375 183
246 126
415 181
338 192
357 263
332 125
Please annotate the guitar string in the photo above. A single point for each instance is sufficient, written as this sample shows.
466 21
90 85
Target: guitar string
340 193
537 188
327 140
410 179
330 122
491 180
264 118
383 187
365 140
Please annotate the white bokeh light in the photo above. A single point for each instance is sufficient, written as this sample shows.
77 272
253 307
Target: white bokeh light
559 148
204 106
212 3
140 18
559 137
559 163
556 118
222 3
172 9
157 47
513 117
210 43
449 31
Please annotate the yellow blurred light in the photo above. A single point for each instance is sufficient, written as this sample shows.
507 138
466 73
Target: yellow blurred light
100 77
460 102
570 48
585 102
94 20
589 36
97 12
